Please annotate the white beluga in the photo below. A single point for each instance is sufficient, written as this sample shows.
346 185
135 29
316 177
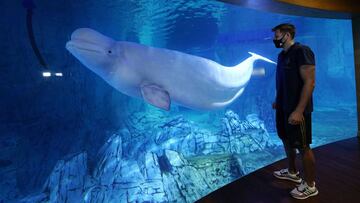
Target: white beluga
161 76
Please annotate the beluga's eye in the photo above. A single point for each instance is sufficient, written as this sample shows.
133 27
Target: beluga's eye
109 51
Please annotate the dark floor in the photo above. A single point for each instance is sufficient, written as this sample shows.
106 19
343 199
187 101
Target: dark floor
338 179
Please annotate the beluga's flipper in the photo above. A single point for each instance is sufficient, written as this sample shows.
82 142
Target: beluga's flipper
156 96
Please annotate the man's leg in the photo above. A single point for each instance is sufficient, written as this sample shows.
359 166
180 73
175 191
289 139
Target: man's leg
306 188
291 156
291 172
309 165
281 122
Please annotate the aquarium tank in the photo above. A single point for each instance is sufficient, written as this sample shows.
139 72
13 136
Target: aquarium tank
169 103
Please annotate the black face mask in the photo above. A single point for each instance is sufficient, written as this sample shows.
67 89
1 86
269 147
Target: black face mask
278 42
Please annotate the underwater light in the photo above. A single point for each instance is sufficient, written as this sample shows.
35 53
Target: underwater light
46 74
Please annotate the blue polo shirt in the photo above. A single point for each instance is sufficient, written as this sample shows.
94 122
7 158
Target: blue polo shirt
289 83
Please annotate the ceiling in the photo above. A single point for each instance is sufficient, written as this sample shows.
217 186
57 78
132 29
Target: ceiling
341 9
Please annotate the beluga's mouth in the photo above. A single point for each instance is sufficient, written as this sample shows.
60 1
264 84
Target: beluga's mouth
85 39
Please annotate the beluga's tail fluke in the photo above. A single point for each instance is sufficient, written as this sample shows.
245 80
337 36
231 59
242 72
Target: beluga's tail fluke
257 56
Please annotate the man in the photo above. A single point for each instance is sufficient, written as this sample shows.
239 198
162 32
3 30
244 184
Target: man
295 82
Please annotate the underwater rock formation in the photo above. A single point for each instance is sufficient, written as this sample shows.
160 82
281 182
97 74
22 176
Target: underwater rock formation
246 136
178 162
8 184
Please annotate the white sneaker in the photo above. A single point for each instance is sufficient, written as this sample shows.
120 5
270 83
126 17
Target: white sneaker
286 175
304 191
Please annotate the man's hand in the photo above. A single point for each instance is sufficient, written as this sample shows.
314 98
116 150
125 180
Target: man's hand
295 118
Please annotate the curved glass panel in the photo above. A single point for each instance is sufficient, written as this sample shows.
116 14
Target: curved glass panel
83 129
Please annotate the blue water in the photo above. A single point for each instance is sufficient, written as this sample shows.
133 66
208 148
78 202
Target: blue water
77 138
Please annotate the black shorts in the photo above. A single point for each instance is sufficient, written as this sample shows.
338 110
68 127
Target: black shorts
298 136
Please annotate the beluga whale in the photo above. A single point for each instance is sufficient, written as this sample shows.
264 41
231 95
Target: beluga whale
161 76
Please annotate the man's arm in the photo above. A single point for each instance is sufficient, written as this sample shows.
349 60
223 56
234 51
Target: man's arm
307 73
